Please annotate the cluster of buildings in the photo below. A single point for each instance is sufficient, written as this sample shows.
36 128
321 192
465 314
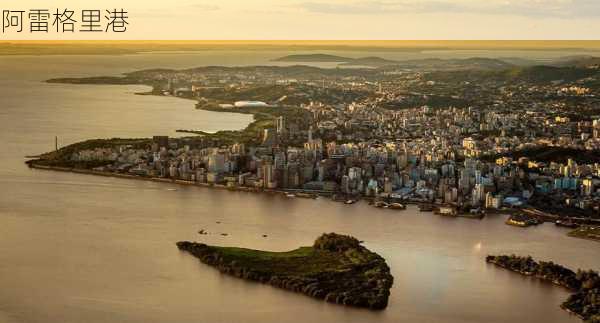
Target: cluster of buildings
462 156
441 170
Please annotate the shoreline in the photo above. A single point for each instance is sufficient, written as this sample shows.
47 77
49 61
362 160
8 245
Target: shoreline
299 193
582 284
539 277
177 181
577 233
302 193
529 274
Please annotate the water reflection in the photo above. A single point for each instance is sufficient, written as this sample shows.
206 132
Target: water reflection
79 248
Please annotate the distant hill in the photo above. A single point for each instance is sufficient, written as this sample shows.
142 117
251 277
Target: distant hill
544 74
519 61
485 63
539 74
314 58
577 61
436 64
370 61
419 64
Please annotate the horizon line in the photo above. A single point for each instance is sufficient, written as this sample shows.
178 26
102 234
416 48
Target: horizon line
338 42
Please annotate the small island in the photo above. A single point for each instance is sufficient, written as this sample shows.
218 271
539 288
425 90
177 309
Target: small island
372 61
314 58
337 269
585 302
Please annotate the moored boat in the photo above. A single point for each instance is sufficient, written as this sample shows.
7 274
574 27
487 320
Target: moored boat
567 224
397 206
425 207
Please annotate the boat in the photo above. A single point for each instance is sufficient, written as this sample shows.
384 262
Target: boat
397 206
446 211
350 202
566 223
381 204
290 195
425 207
522 220
306 195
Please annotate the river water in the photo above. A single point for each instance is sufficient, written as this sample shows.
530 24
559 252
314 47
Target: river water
79 248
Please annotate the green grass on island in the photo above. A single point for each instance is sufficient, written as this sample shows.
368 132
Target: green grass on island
336 268
301 261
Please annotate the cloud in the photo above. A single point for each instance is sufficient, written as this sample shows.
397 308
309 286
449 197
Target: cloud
377 7
537 8
203 6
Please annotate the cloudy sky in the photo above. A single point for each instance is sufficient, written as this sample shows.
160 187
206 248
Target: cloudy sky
337 19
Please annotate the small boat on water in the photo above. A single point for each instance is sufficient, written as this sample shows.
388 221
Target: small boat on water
381 204
397 206
350 202
171 189
522 220
567 224
425 207
306 195
290 195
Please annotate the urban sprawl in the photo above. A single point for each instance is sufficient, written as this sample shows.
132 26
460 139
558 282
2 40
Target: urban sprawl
464 140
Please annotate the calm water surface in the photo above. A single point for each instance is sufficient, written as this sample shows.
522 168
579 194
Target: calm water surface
79 248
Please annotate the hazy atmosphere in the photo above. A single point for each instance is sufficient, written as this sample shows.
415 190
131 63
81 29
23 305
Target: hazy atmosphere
339 161
339 19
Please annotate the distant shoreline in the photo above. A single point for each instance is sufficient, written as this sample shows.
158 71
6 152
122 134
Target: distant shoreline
127 47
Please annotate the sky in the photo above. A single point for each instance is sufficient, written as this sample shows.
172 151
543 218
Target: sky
330 19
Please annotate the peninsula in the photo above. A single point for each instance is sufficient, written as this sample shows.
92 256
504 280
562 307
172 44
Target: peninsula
584 303
471 136
337 269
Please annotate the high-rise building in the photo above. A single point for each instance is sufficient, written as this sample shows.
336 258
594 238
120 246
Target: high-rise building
281 126
478 194
269 138
587 186
387 186
269 176
216 163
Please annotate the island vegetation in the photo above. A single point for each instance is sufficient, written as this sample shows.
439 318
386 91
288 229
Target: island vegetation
549 154
337 269
585 302
62 157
